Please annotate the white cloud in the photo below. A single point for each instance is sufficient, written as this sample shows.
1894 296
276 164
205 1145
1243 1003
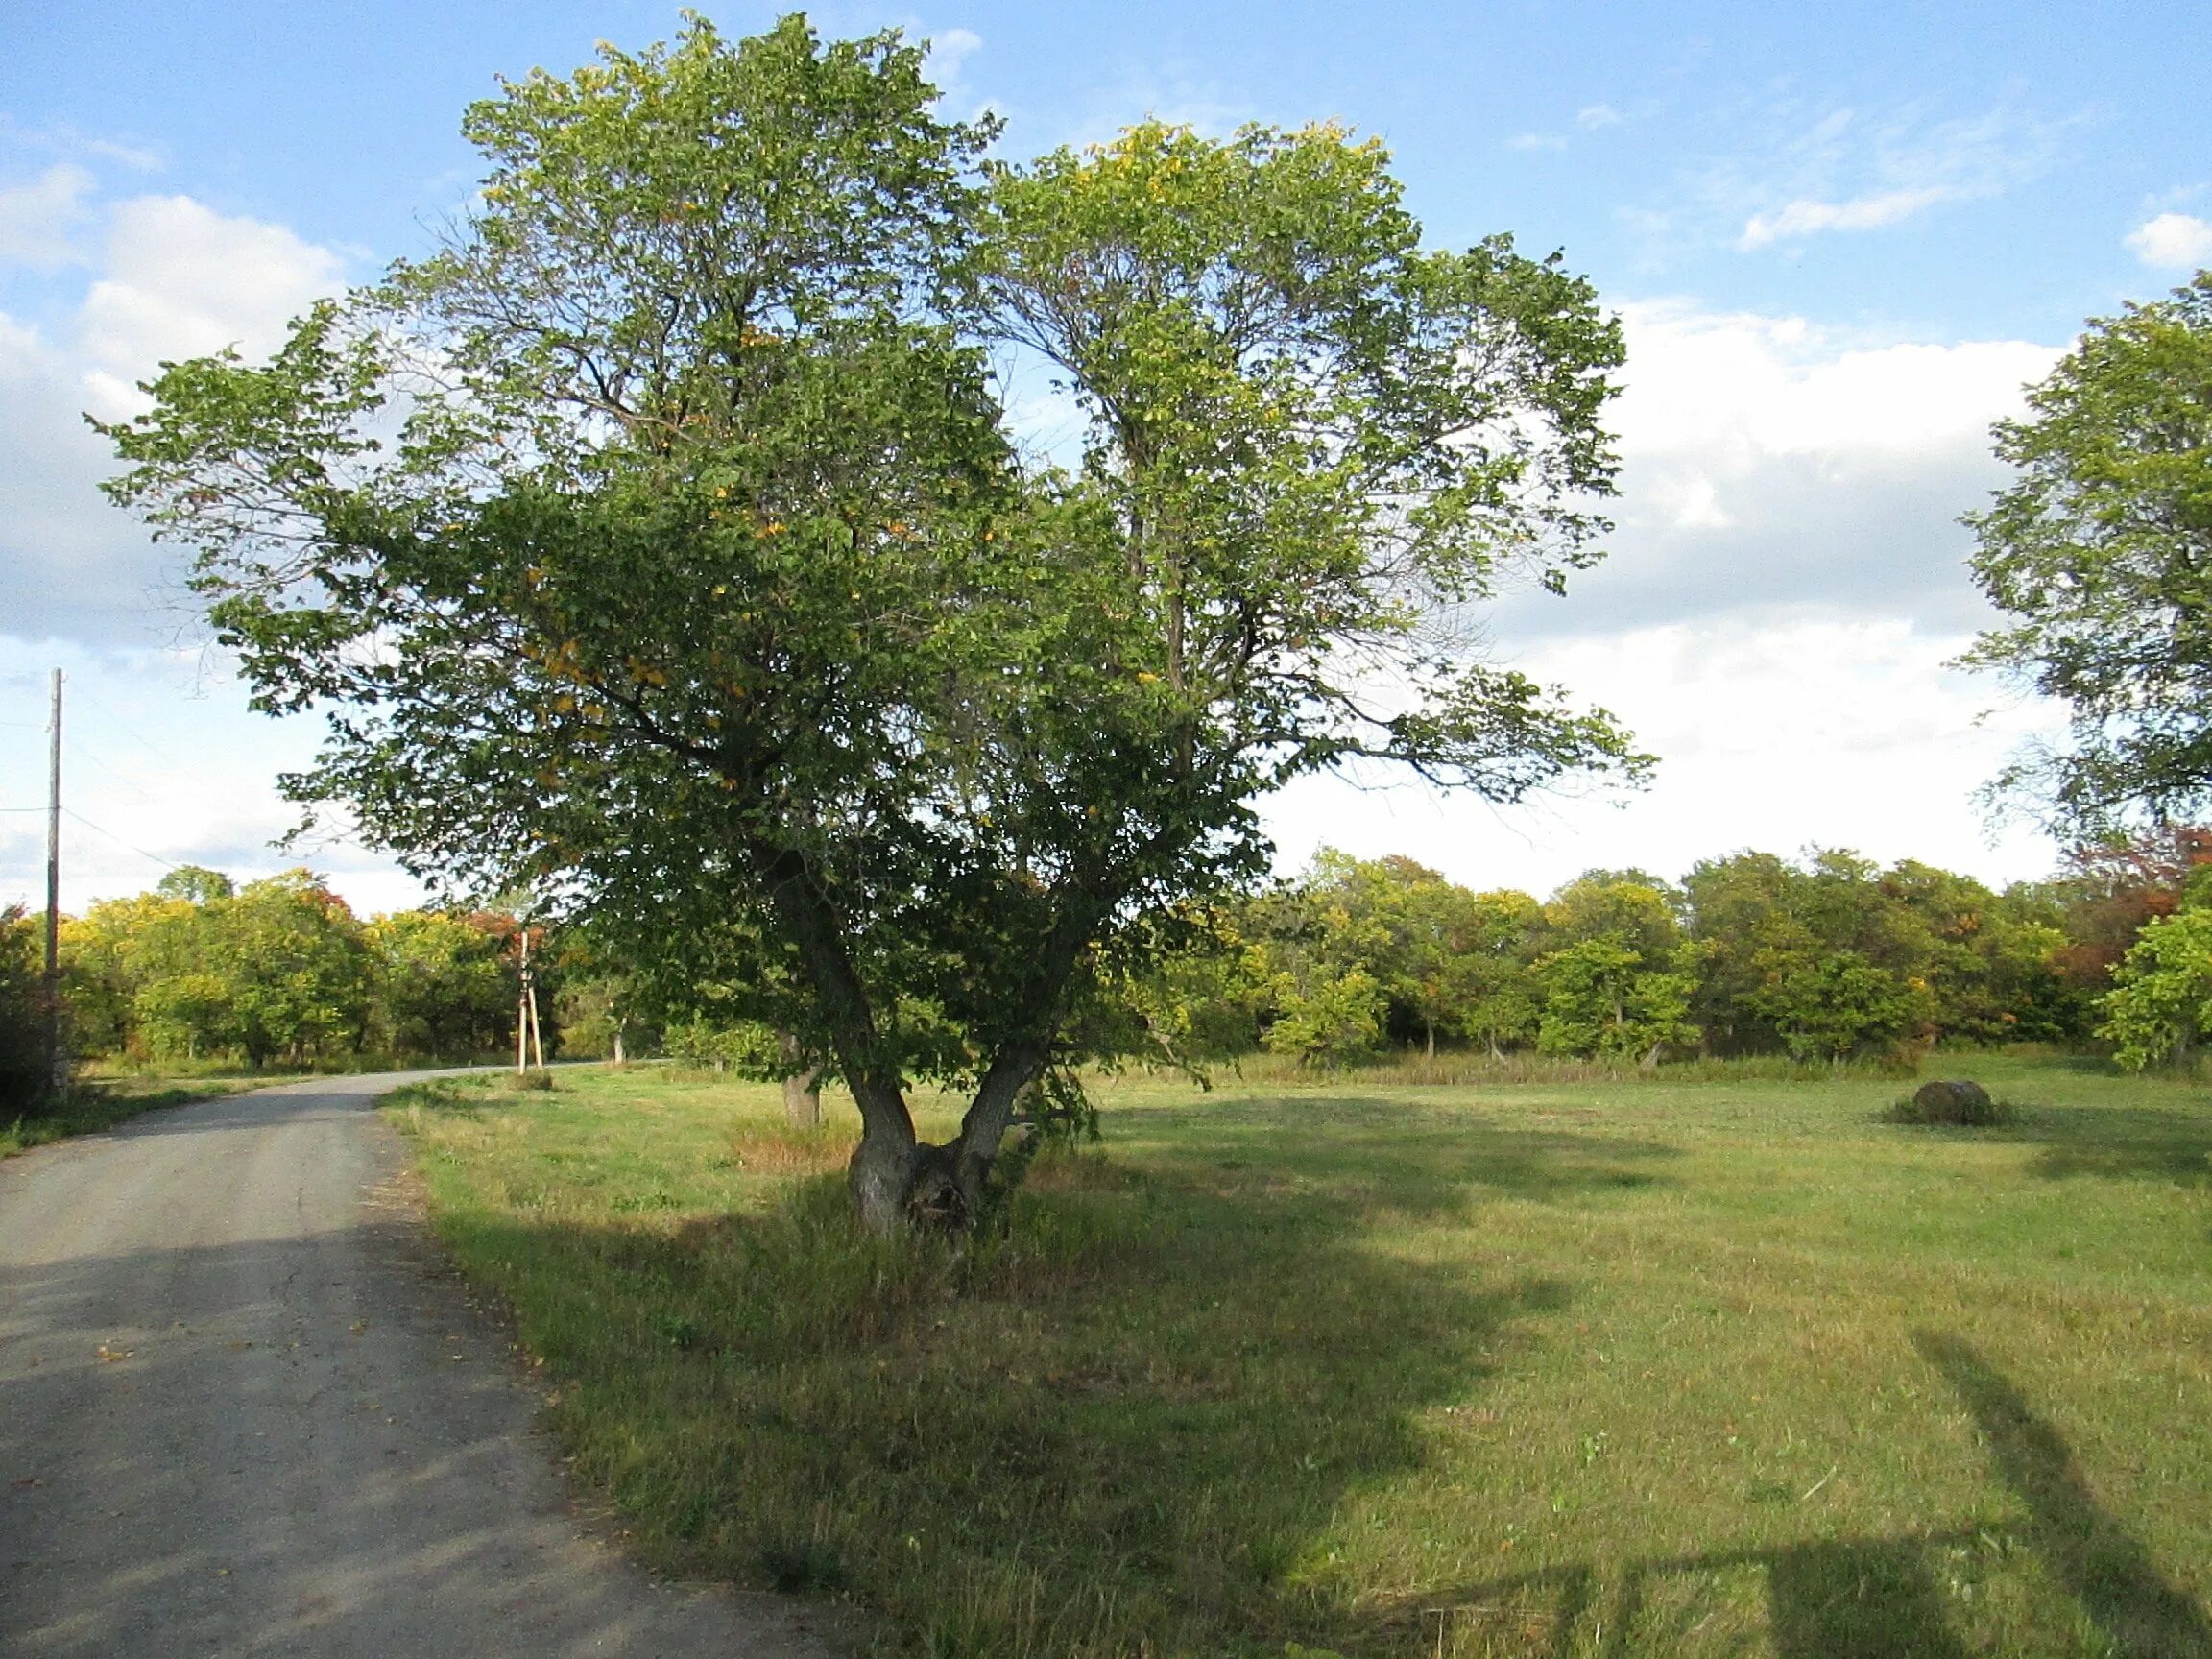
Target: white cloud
1593 117
162 764
1786 586
948 51
1842 732
173 278
1806 217
181 280
39 220
2173 242
1535 141
1768 466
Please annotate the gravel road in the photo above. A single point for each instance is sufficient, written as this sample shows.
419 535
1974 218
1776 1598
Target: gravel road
246 1409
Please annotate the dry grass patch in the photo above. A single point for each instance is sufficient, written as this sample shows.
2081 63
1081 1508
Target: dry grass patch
779 1150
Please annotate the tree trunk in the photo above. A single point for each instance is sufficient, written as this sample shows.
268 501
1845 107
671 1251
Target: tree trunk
1430 1027
883 1171
898 1181
802 1089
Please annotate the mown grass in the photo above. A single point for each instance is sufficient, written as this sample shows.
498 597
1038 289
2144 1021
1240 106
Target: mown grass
93 1105
1552 1369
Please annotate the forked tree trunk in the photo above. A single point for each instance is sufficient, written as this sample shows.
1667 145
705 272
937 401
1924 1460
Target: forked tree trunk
898 1181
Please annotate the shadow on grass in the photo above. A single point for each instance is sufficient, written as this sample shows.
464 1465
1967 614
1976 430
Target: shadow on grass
1352 1154
1853 1597
2119 1142
1862 1597
2099 1563
1122 1429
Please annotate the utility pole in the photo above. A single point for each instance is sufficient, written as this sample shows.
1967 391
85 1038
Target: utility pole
57 1062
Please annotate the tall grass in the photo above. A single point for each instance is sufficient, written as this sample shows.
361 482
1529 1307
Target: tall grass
1413 1068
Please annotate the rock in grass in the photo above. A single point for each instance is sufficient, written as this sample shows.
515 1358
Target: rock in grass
1957 1101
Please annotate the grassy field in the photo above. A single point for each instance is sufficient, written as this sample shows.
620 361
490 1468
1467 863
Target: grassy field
1542 1369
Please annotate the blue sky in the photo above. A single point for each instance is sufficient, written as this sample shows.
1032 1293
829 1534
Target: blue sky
1842 236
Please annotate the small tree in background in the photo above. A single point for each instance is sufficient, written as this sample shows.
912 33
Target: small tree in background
2159 1009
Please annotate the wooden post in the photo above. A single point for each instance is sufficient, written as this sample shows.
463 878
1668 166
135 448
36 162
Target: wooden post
523 1010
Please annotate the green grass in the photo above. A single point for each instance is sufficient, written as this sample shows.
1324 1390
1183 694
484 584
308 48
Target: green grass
1544 1370
96 1104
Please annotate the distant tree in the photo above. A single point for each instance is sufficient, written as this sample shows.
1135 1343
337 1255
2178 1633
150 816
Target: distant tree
436 986
1605 998
2159 1009
1500 999
1328 1018
292 968
2098 552
1831 1004
195 884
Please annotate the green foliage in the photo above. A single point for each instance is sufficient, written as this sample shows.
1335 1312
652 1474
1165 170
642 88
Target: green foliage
747 1047
439 985
1830 961
661 542
2160 1007
2097 552
23 1076
1605 998
1328 1018
282 969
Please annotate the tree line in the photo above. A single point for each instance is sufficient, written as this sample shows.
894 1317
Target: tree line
1823 958
1827 959
281 972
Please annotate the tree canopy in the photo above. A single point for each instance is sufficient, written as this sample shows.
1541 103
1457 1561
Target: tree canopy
2101 551
662 542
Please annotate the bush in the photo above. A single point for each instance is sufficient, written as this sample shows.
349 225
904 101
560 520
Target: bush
1953 1103
22 1021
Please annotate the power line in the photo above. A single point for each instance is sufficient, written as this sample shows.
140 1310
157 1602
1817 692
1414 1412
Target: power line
165 863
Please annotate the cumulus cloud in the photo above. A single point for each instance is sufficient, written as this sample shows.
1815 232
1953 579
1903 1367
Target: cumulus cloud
163 764
1766 465
1774 620
949 50
173 279
1841 732
39 220
2173 242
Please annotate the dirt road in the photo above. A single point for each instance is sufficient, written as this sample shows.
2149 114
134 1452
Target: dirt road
245 1409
